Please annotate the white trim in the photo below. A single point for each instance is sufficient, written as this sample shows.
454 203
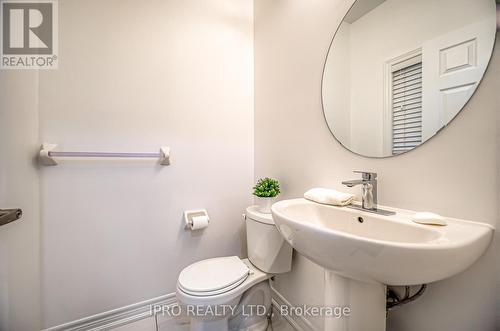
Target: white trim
387 107
117 317
299 323
141 310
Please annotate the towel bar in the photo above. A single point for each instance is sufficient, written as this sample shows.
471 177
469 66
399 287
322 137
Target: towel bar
47 155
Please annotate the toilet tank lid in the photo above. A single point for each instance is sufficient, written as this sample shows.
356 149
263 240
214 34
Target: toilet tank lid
253 214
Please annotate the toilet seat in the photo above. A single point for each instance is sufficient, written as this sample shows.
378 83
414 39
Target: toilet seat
230 293
213 276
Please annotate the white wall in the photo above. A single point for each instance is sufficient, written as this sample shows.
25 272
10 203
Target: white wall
291 41
496 73
19 188
134 76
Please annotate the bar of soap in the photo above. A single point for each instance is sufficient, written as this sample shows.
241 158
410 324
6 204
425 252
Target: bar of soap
429 219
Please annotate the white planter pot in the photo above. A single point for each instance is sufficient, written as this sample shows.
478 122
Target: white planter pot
264 204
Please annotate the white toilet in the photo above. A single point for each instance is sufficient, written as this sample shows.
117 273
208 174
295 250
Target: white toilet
229 293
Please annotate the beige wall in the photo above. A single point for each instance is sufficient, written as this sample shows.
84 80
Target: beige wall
495 68
134 76
453 174
19 188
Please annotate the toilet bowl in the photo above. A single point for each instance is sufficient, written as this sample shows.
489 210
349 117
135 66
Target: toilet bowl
229 293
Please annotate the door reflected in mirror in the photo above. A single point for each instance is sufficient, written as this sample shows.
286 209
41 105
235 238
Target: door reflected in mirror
398 71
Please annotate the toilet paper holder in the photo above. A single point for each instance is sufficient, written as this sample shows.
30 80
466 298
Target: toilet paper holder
190 214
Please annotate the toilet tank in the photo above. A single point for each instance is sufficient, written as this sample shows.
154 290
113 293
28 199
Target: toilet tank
267 249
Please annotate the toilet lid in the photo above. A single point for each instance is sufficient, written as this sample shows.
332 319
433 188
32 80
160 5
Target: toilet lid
213 276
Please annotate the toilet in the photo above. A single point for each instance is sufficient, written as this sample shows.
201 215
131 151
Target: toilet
229 293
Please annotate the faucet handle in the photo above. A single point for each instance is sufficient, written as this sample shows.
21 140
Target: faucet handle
367 175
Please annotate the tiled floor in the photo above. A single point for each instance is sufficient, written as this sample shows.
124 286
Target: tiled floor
171 324
147 324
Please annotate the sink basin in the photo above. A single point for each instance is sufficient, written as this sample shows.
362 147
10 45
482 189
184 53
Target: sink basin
390 250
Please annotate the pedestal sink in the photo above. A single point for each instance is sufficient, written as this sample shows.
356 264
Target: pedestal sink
363 252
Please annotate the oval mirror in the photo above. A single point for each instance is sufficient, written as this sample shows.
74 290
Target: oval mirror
398 71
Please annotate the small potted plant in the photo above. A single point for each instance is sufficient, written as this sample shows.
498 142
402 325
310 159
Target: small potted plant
266 190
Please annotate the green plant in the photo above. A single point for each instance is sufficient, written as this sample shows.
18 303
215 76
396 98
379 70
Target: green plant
266 188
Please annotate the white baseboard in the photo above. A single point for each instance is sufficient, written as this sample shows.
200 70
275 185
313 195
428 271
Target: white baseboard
299 323
138 311
116 317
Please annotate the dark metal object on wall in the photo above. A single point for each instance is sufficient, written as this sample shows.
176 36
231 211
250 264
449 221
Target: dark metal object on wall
9 215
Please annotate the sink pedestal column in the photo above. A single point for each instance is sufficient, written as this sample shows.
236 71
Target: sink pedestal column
366 302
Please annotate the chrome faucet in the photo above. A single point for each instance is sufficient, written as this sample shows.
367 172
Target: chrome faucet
369 197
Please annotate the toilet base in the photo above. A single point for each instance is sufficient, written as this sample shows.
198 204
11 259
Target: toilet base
246 317
213 325
247 306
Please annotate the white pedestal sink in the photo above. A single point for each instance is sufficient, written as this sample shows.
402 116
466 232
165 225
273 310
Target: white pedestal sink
363 252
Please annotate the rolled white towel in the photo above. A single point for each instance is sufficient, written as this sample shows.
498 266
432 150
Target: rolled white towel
329 197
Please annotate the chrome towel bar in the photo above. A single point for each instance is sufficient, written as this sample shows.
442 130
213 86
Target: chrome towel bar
47 155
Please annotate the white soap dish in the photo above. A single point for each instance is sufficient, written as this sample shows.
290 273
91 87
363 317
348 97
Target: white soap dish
428 218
